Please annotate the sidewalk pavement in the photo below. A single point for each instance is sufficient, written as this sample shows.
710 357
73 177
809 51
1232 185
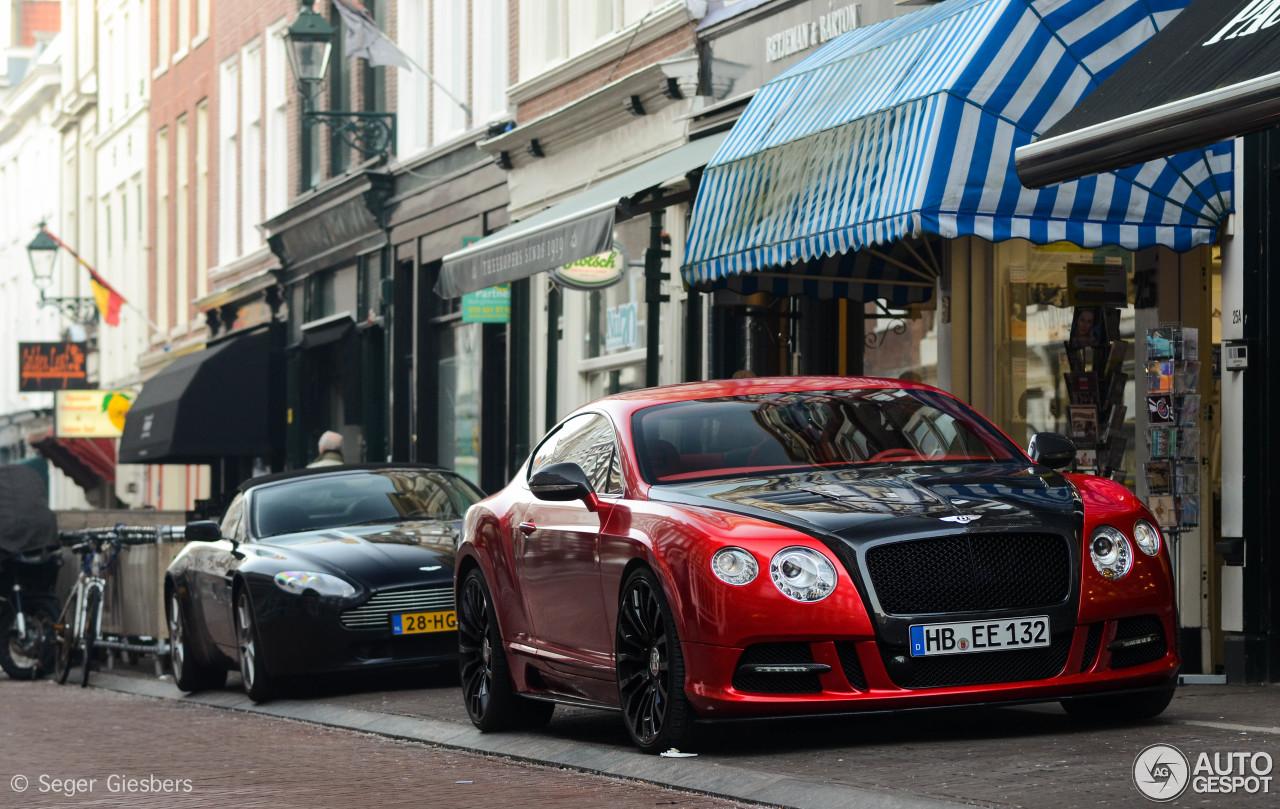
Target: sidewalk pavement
72 747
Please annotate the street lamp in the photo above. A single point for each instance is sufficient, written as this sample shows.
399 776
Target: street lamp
310 45
43 255
310 41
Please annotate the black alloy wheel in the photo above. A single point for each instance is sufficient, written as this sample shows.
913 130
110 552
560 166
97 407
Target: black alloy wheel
30 653
257 684
189 674
650 667
491 700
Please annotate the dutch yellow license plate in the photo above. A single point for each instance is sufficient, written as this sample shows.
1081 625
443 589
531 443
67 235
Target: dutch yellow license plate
414 623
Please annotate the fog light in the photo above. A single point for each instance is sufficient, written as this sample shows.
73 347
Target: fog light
1111 553
734 566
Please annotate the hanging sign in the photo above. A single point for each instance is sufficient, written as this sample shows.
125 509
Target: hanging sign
492 305
1097 285
52 366
593 272
91 413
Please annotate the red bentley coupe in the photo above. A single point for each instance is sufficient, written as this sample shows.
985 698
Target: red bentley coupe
795 545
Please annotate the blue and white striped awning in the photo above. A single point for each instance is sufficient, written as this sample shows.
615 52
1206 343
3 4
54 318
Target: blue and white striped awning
908 127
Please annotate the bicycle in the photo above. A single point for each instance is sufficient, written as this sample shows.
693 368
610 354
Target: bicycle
80 624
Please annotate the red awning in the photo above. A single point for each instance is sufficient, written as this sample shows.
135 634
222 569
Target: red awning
87 461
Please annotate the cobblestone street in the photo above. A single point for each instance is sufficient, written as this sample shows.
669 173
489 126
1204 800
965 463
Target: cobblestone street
96 748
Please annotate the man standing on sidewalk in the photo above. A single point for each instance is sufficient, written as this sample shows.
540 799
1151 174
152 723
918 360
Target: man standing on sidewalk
330 450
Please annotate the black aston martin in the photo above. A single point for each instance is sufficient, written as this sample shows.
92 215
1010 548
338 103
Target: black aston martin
317 571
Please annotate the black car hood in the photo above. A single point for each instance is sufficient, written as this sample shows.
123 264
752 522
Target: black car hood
901 501
377 556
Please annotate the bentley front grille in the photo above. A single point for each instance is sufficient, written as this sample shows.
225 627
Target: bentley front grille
377 611
970 572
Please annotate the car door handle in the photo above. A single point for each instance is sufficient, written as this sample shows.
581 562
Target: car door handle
528 528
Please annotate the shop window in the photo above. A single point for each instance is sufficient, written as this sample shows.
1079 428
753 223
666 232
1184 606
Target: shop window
900 343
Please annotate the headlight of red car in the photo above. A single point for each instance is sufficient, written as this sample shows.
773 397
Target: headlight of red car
1147 536
802 574
734 565
1111 553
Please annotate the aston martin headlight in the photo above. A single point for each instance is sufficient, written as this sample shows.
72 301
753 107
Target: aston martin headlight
1111 553
300 581
802 573
734 566
1147 536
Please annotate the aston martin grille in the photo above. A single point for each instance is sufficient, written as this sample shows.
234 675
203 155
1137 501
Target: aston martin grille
377 611
970 572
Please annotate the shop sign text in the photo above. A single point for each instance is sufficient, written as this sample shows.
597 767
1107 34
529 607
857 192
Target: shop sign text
52 366
492 305
805 35
91 413
1254 17
593 272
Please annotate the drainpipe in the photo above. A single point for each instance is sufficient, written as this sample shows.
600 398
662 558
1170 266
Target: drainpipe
653 297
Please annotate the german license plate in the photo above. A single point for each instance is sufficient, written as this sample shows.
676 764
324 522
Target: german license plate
415 623
979 636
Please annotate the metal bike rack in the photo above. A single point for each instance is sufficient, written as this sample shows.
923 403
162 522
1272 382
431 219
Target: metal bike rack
133 616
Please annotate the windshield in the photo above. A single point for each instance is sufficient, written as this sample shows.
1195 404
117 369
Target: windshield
360 498
807 429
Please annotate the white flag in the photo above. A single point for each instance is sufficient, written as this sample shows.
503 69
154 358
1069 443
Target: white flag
365 39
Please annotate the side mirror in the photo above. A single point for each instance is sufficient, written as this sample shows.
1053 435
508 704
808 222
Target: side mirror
1051 449
562 481
203 531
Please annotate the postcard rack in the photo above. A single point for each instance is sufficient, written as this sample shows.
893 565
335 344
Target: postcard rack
1173 433
1095 380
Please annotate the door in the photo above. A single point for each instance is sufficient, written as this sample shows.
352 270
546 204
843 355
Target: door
558 547
215 565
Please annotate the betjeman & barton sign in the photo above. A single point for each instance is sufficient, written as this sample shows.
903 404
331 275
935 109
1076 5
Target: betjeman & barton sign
52 366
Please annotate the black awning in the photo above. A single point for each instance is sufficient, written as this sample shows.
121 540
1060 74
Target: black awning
206 405
1212 74
580 226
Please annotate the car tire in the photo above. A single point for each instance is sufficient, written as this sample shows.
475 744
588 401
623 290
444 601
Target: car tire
1119 707
257 684
650 667
487 688
189 674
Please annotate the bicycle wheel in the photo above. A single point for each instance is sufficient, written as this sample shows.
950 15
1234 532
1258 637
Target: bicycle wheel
92 605
68 640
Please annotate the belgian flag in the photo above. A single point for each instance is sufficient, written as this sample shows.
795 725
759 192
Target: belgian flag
108 300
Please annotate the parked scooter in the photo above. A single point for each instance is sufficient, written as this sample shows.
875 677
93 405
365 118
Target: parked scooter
29 562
